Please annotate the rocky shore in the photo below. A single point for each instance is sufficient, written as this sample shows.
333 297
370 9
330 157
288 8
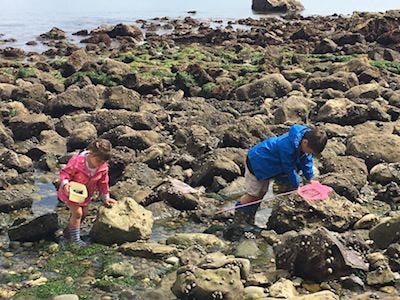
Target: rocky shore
181 100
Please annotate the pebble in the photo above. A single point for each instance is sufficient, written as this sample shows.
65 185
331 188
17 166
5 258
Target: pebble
173 260
8 254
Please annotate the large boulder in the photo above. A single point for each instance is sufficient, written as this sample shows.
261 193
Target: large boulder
51 143
341 81
294 109
74 99
104 119
336 213
282 6
270 86
386 232
216 276
369 91
124 30
25 126
244 132
6 136
208 241
343 112
385 173
179 195
16 197
375 148
81 136
125 221
120 97
147 250
43 227
320 254
346 175
20 162
215 165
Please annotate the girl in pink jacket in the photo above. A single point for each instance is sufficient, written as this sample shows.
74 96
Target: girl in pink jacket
89 168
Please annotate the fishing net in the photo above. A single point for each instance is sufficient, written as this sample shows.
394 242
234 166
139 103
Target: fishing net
314 191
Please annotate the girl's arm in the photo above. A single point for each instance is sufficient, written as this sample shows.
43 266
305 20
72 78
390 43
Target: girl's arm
104 190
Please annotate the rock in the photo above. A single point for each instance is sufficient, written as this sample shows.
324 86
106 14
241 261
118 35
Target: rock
33 96
156 156
294 213
353 283
6 90
244 132
144 175
13 52
369 91
126 30
74 99
341 81
217 276
54 34
217 163
16 197
325 46
386 232
270 86
366 222
6 136
190 239
43 227
282 6
125 221
122 268
75 62
199 141
147 250
139 139
254 292
119 97
343 112
105 120
393 254
97 39
346 175
179 195
382 276
20 162
283 288
50 142
317 255
385 173
66 297
323 295
81 136
295 109
365 147
247 249
25 126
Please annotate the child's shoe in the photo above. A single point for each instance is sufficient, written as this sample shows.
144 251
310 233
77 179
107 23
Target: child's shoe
245 215
75 237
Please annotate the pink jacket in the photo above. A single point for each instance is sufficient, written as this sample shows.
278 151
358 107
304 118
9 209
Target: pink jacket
76 170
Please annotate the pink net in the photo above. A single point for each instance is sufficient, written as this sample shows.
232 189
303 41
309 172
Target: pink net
314 191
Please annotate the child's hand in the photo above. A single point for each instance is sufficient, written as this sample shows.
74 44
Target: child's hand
66 188
109 202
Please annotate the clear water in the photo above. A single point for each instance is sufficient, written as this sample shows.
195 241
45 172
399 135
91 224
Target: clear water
25 20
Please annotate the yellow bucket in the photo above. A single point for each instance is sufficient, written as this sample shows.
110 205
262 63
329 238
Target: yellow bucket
77 192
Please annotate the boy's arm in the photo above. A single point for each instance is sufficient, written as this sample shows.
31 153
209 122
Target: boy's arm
307 167
290 169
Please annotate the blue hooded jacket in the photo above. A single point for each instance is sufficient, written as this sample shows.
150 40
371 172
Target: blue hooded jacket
281 157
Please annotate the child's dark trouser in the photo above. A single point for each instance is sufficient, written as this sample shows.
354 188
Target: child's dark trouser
246 214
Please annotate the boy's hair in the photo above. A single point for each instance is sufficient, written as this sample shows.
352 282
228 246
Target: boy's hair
101 148
317 140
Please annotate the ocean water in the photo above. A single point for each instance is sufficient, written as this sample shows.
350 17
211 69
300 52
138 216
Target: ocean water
25 20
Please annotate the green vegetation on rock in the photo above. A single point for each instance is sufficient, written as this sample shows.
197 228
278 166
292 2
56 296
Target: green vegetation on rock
26 72
391 66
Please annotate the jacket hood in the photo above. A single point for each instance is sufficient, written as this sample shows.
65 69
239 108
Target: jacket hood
296 133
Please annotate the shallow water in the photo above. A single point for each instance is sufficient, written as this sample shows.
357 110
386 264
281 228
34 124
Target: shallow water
25 20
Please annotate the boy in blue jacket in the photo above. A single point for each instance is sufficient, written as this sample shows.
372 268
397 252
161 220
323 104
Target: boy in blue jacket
278 158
